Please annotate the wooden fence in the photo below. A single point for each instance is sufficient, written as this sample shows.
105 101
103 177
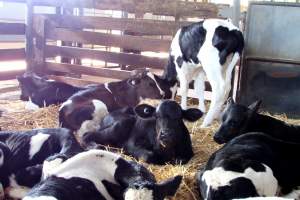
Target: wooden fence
11 54
136 35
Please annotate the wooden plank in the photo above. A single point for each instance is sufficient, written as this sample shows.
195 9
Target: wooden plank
121 58
8 75
12 54
123 41
39 29
29 35
157 7
140 26
93 71
12 28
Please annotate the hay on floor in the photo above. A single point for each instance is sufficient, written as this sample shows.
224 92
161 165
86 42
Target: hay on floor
16 117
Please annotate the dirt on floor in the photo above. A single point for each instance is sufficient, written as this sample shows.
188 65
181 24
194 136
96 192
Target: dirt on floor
15 117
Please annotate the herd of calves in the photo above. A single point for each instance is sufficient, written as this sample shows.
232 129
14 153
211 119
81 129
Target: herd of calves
258 161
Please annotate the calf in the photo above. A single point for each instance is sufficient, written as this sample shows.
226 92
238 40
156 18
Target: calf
102 175
238 119
211 47
157 135
251 165
84 111
41 92
22 151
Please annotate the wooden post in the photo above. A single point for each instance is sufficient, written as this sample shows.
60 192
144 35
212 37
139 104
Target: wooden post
39 28
29 36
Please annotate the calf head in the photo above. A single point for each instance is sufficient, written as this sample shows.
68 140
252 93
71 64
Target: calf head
235 120
29 83
140 183
169 121
149 85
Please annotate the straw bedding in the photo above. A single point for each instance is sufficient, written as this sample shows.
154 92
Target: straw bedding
15 117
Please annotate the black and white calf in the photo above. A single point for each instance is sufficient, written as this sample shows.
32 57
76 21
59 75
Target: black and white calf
40 92
102 175
251 165
23 152
238 119
84 111
156 135
211 47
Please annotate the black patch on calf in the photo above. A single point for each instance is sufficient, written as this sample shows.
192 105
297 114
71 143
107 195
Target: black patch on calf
67 189
238 188
115 190
170 73
191 39
29 176
227 42
179 61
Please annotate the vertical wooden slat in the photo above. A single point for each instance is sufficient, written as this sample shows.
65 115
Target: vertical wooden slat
29 36
39 28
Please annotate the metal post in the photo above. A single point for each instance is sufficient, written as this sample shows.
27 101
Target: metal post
236 12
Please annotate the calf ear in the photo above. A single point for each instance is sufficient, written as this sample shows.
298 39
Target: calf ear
169 187
144 110
255 106
192 114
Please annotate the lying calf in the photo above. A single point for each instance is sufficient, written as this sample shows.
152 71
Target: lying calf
157 135
41 92
251 165
84 111
102 175
22 152
238 119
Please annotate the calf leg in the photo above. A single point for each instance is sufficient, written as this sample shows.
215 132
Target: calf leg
213 71
199 88
184 88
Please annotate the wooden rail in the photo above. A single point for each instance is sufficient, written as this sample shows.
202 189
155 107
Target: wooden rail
12 28
141 26
112 57
12 54
122 41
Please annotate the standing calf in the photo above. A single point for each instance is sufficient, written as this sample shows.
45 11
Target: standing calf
211 47
251 165
238 119
84 111
101 175
157 135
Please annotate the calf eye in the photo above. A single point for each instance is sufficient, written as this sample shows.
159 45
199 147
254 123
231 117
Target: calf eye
147 111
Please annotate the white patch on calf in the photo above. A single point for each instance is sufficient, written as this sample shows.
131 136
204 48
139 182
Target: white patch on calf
93 165
265 182
149 74
29 105
93 124
36 143
106 87
48 166
295 194
2 194
141 194
16 191
40 198
173 91
1 157
69 101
